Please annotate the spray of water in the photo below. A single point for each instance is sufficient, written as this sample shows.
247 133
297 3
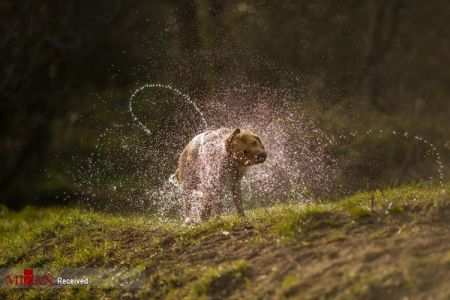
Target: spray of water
298 167
183 96
131 170
430 149
435 153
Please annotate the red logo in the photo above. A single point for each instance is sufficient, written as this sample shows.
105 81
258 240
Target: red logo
28 279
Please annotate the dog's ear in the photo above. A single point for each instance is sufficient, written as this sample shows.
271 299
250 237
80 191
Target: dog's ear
230 138
259 140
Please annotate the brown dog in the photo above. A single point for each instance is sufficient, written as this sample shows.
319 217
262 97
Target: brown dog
212 163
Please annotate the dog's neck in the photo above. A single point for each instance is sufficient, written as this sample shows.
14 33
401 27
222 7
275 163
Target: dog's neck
234 167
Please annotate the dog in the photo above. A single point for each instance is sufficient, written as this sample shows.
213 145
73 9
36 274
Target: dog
212 164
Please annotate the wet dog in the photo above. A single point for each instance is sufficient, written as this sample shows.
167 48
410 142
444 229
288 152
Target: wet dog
212 164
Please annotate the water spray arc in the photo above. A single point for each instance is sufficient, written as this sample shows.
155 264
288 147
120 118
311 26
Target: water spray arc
185 97
430 147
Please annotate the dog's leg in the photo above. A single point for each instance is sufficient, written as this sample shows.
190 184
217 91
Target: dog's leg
237 197
186 197
206 211
211 200
218 209
187 210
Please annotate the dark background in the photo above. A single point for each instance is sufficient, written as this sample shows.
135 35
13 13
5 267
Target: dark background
68 68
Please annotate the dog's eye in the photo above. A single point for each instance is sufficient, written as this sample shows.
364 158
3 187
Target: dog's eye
255 143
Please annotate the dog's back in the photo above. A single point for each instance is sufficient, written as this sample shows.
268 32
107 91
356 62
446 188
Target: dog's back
201 157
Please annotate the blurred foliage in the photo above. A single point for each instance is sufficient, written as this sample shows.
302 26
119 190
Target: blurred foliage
68 69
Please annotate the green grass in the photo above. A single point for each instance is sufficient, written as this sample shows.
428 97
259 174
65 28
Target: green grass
57 237
209 276
289 220
20 229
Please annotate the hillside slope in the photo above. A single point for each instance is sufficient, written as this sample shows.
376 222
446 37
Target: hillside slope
398 247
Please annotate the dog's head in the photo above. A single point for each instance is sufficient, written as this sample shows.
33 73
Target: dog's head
245 147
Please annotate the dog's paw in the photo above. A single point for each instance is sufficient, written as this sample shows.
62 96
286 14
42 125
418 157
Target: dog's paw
188 221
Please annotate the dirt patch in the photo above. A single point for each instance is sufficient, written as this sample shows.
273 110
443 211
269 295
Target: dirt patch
390 256
328 256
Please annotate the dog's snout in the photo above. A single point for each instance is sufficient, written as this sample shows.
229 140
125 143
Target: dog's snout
262 157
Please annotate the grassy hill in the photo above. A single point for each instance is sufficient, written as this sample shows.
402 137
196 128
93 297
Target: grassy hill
387 244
